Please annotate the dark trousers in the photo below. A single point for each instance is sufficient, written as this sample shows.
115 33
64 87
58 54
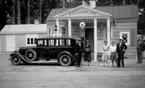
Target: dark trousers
78 60
139 56
120 59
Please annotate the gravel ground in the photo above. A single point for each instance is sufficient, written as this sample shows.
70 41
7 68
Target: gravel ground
51 75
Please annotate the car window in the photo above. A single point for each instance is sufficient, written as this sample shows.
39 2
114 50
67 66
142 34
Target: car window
45 42
51 42
68 42
56 42
40 42
62 42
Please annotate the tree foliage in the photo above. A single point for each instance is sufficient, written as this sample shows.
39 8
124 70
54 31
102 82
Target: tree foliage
141 20
6 12
41 8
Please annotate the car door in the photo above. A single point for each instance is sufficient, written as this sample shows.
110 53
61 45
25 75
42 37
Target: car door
52 48
42 47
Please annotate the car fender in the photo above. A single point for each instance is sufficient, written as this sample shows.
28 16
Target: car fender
66 52
18 54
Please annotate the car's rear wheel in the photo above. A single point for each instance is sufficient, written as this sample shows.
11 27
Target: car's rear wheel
15 60
30 55
65 60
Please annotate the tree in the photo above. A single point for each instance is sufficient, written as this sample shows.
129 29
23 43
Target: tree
141 20
6 12
26 11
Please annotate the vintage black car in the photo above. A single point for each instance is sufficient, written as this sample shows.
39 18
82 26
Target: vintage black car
61 49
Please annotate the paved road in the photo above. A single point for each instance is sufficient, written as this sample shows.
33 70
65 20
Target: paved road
52 75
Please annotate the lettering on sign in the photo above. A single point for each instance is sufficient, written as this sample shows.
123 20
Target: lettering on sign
82 12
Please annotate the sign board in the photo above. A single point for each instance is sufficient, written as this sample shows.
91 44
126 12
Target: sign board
82 24
126 37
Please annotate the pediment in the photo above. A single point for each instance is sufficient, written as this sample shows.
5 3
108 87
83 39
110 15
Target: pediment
82 11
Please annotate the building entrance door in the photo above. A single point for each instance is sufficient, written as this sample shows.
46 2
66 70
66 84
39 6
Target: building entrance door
89 34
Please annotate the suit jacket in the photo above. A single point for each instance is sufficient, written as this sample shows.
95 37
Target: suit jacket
78 49
122 48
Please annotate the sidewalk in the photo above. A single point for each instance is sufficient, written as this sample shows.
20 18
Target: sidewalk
130 64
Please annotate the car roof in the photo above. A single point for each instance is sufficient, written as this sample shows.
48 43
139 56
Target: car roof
74 38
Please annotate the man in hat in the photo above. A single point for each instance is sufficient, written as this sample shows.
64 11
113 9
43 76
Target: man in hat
121 48
78 52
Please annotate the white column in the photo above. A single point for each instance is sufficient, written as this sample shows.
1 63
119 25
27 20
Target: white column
95 39
57 23
69 28
108 31
112 31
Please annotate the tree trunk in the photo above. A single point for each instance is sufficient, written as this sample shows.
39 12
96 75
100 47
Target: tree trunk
28 19
40 10
63 3
130 1
19 12
14 12
123 2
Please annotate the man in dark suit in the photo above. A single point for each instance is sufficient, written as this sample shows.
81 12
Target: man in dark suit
139 51
78 53
121 48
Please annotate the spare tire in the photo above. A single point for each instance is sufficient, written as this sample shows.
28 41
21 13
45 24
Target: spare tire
30 55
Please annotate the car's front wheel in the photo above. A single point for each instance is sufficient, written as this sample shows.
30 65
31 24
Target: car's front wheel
65 60
15 60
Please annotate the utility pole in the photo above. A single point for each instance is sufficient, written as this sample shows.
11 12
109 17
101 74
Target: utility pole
28 19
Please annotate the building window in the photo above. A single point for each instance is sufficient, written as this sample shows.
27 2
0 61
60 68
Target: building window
49 32
28 40
31 40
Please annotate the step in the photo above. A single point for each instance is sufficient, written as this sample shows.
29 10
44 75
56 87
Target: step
131 53
133 47
130 57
